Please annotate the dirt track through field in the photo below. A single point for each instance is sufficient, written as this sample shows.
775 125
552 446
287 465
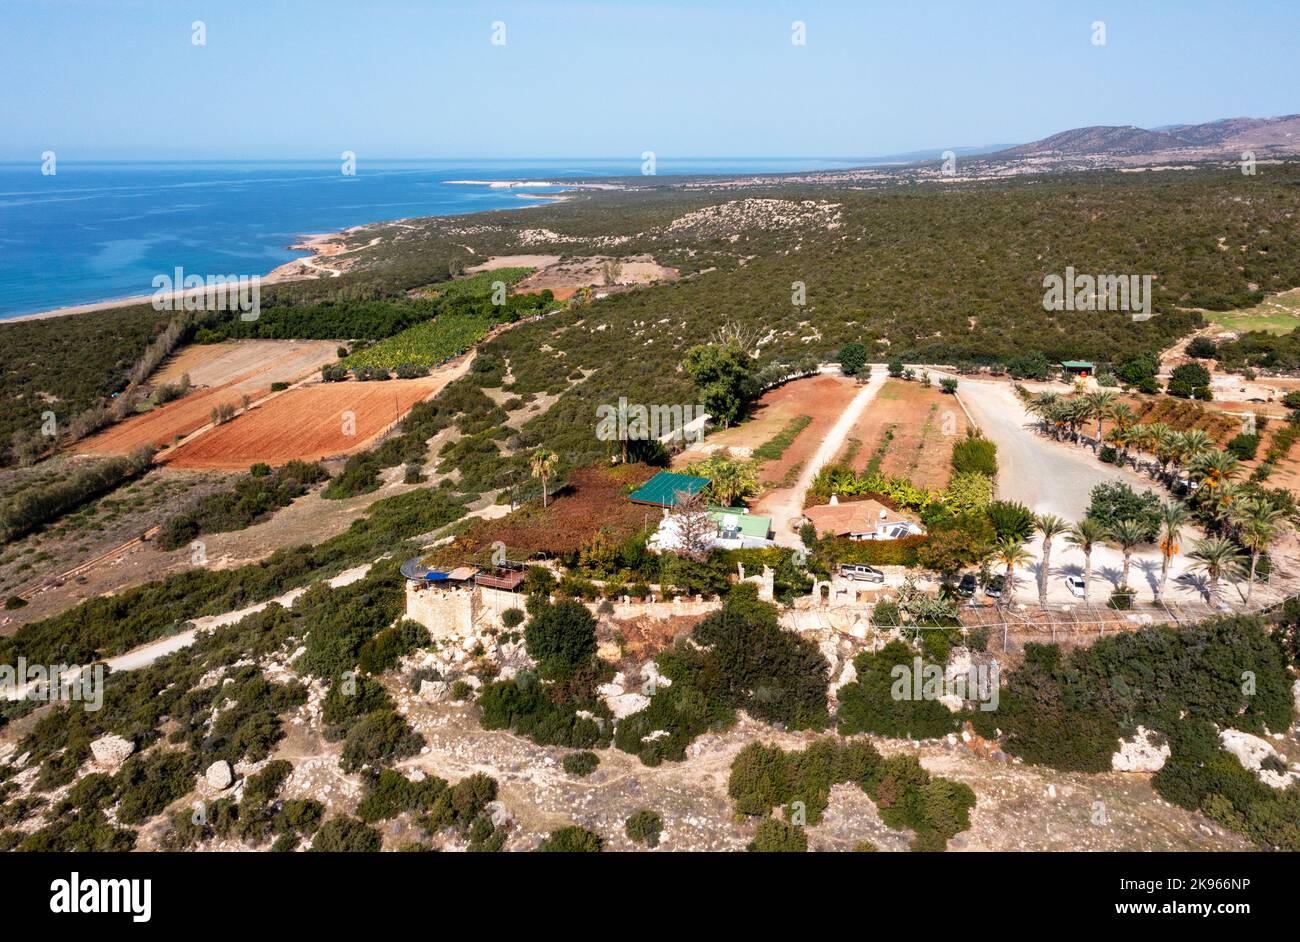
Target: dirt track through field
785 505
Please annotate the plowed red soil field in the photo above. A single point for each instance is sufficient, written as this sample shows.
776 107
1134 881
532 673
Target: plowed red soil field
222 374
322 420
908 431
161 427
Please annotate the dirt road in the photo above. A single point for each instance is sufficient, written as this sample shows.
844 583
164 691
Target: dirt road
785 506
1045 476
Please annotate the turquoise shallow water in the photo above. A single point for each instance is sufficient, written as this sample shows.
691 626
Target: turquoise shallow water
98 231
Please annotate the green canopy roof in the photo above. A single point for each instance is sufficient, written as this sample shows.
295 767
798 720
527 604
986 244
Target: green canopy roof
1076 365
662 489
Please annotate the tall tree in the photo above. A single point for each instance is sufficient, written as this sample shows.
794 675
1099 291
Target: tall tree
1011 554
542 464
1050 526
1128 535
1099 404
1257 520
1086 534
722 374
1172 517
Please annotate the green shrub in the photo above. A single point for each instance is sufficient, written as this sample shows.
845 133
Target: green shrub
377 739
878 702
976 454
644 827
344 835
572 840
777 837
581 763
560 637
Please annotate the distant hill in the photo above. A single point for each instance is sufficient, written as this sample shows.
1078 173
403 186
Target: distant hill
1228 137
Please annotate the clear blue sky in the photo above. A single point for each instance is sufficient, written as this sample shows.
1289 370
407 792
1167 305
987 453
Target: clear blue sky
93 79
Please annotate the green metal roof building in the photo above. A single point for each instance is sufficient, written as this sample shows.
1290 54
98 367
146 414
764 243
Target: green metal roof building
662 489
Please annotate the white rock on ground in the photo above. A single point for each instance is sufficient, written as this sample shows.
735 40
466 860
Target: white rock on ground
1252 751
111 751
434 691
847 676
1295 695
1141 753
219 775
626 704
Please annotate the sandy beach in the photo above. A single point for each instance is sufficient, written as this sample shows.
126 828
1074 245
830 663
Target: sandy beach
320 245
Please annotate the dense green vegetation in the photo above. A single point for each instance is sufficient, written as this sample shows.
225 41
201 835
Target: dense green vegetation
739 657
42 503
1262 350
766 777
1069 711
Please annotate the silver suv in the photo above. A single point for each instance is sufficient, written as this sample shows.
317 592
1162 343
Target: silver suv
861 572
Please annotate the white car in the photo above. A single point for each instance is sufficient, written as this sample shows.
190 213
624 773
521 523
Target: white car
1075 585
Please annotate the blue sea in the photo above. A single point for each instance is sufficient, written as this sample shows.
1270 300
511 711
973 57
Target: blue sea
96 231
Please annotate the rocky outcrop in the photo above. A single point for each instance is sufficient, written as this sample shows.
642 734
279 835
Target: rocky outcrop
1258 755
219 775
111 751
1146 751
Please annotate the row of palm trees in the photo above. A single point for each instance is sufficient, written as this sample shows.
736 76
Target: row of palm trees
1254 524
1173 452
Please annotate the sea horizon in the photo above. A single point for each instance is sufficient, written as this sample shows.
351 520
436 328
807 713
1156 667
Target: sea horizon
106 228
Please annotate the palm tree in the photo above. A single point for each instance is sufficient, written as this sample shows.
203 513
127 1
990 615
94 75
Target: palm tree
1041 405
1164 442
1216 557
1213 468
1010 553
1189 444
1172 517
1223 503
1077 411
1258 519
542 463
1120 433
1128 535
1050 526
1086 534
1099 404
730 481
1140 437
